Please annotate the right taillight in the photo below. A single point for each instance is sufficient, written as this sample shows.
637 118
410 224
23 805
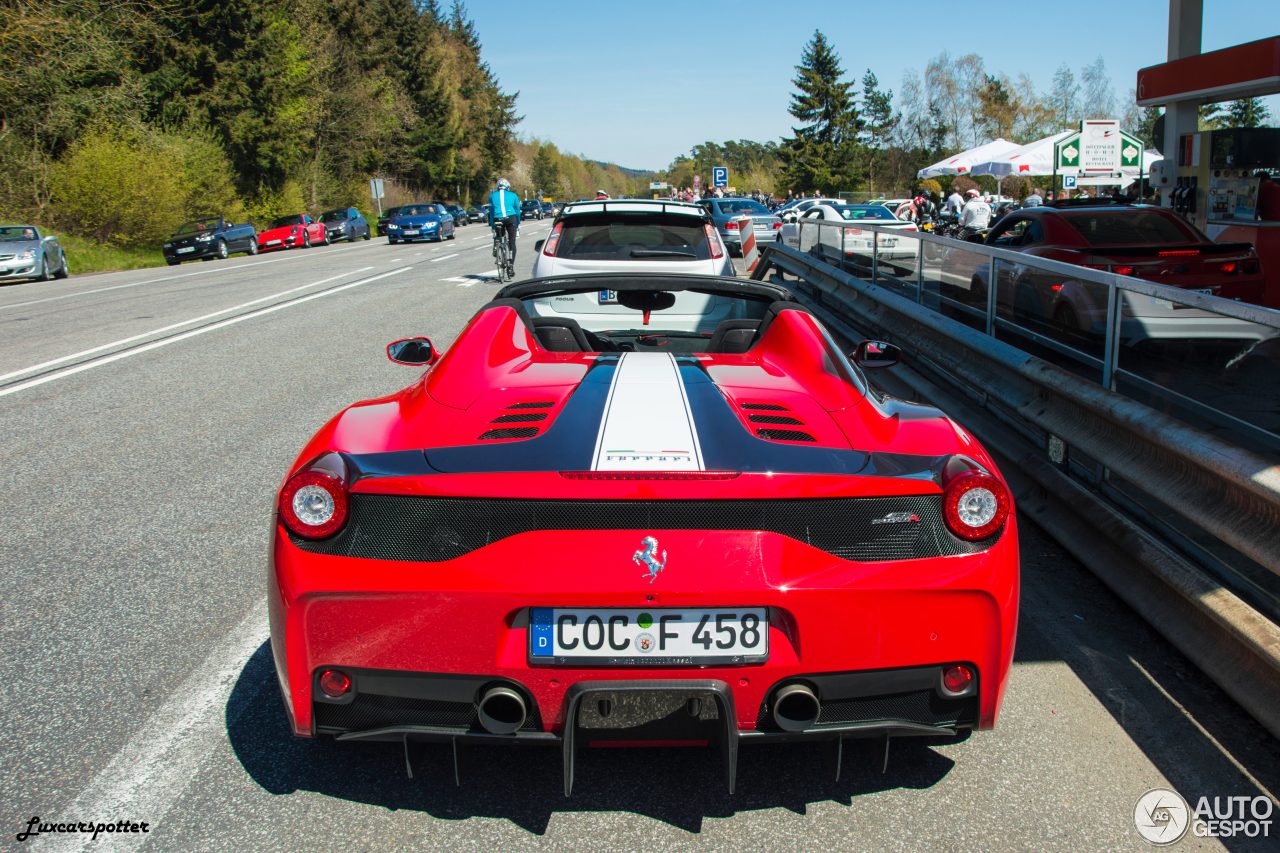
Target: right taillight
713 241
975 505
731 225
549 247
313 503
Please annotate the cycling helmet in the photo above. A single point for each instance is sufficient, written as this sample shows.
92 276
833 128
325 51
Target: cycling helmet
504 184
601 194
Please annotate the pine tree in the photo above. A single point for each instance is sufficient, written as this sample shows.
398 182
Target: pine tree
1247 112
819 154
545 173
878 122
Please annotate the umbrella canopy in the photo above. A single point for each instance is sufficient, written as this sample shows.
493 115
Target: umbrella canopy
963 163
1034 158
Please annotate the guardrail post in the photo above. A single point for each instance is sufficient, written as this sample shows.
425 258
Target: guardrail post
875 256
1111 343
843 233
920 272
991 298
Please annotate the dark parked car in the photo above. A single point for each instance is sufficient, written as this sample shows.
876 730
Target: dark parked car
26 253
420 222
459 214
385 217
548 209
345 223
475 214
531 209
207 238
1139 241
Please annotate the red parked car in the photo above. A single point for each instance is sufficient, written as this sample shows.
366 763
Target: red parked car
651 508
290 232
1141 241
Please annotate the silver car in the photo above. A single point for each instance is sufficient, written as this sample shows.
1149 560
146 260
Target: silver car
727 215
26 253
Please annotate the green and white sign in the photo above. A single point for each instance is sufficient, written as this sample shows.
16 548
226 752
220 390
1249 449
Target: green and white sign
1130 152
1067 154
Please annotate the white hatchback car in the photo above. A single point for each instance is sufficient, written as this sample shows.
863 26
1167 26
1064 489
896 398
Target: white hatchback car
651 236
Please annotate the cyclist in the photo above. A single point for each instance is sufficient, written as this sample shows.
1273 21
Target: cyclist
504 218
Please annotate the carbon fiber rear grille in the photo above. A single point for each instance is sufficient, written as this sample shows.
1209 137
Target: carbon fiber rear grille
509 432
775 419
785 435
531 405
370 711
917 706
521 418
417 529
765 407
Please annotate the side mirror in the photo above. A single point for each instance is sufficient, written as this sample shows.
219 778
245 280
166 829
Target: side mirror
876 354
412 351
537 247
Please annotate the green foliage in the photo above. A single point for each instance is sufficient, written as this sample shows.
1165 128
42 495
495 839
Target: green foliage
931 185
1247 112
116 184
85 255
820 155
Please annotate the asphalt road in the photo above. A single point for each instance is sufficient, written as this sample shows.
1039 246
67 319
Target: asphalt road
147 418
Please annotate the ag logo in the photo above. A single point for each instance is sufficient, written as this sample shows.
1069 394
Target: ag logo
1161 816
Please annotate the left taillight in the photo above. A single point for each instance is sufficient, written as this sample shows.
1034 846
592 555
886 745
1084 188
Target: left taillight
313 503
713 241
549 248
975 505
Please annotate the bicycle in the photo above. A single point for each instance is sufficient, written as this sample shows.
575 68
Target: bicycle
501 252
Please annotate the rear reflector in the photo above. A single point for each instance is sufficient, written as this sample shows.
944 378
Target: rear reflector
1229 267
334 683
956 679
1124 269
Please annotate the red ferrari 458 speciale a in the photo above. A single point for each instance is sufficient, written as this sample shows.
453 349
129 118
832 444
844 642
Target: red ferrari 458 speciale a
642 509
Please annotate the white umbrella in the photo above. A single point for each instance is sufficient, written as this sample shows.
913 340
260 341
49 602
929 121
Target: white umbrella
1034 158
962 163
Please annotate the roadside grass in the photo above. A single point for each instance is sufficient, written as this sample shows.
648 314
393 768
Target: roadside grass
85 256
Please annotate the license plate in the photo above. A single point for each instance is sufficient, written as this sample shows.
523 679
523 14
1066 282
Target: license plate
654 637
411 232
608 297
272 243
186 249
889 241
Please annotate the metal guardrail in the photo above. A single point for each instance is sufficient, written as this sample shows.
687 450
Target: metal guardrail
1203 482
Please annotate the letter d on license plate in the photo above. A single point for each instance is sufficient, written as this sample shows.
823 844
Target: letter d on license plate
653 637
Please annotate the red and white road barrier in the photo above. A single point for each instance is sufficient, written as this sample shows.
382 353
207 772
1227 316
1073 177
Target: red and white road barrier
747 233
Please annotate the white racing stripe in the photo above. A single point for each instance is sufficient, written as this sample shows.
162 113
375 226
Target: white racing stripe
150 772
647 423
108 359
35 367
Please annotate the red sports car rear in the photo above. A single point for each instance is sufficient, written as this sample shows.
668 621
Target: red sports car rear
706 531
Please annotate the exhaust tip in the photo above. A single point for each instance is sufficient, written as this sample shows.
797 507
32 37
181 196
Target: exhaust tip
795 708
501 711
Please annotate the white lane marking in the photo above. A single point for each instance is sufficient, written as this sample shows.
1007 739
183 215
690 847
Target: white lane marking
150 772
108 359
473 239
393 260
647 424
220 269
177 325
443 258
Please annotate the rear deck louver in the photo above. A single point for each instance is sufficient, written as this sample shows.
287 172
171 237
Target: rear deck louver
518 418
784 418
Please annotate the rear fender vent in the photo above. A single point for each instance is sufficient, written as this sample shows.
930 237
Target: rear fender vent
786 435
787 419
510 432
535 405
523 418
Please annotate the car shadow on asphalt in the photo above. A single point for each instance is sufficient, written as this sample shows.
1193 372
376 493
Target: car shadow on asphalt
680 786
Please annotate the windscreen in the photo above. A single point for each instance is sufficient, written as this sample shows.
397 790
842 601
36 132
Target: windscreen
17 232
286 221
417 210
334 215
1129 227
633 237
856 212
196 226
744 207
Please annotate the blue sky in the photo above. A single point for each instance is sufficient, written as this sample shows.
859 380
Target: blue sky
638 83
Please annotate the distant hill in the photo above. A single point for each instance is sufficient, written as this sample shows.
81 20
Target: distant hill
630 173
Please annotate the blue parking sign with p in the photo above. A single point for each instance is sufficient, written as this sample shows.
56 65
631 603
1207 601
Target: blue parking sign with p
720 176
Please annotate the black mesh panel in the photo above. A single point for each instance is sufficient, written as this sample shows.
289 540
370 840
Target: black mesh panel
417 529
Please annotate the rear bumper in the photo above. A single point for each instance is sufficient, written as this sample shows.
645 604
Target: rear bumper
847 629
